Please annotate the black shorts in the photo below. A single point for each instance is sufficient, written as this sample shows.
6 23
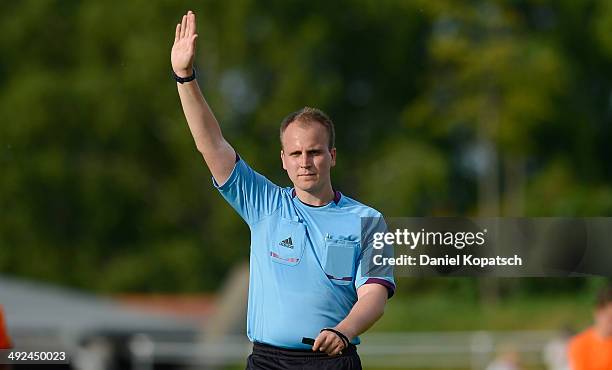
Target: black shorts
269 357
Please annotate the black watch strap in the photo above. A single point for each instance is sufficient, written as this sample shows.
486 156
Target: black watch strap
182 80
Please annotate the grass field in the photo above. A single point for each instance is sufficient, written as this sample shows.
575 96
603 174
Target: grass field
438 313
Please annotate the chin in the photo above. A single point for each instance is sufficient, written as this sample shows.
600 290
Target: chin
306 186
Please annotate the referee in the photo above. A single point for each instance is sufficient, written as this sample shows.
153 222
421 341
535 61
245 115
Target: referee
309 296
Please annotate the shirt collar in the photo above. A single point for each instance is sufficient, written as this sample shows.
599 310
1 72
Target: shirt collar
337 196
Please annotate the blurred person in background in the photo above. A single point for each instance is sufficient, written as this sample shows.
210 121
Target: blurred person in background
507 359
592 349
555 351
308 297
5 342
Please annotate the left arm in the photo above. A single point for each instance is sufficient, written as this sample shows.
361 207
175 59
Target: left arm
370 306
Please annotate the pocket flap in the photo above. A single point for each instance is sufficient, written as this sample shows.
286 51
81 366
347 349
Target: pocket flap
340 260
288 242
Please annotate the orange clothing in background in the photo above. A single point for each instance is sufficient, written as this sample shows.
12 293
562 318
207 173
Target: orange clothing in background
589 351
4 338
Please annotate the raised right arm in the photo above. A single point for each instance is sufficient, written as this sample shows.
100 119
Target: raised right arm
218 154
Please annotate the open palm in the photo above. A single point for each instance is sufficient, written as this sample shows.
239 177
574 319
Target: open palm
183 50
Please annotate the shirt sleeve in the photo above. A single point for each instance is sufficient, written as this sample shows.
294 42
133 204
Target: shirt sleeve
252 195
367 271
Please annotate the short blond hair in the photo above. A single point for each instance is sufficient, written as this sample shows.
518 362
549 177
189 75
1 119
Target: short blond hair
309 114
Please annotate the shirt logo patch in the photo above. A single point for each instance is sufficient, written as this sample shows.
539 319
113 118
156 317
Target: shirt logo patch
287 243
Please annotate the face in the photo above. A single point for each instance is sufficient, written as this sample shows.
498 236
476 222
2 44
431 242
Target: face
306 156
603 319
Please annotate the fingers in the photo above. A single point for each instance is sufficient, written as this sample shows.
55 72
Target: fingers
177 34
183 26
186 28
187 23
317 344
193 41
190 24
322 342
337 350
329 343
333 348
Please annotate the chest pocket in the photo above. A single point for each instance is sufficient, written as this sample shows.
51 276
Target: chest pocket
288 242
340 260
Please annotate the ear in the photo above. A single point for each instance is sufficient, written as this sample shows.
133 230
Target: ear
332 151
282 156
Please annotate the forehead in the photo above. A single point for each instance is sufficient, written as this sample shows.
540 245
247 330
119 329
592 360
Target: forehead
299 134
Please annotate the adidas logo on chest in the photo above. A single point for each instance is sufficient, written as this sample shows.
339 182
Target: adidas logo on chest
287 243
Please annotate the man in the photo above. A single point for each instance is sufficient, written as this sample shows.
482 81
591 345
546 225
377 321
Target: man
592 349
308 273
5 341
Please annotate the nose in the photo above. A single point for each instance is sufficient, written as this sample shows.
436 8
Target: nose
305 160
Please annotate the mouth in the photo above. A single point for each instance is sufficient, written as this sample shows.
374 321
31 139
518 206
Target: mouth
307 175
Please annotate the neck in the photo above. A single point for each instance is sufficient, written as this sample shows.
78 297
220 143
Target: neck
316 198
601 333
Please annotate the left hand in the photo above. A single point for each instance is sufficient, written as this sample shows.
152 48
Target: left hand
328 342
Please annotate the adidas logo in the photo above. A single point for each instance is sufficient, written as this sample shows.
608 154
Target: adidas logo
287 243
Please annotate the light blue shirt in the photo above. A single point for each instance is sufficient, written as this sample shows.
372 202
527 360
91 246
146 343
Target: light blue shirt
306 262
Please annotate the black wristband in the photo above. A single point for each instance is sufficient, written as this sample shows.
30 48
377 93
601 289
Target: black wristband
341 335
182 80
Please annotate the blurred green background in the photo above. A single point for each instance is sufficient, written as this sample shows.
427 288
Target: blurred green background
442 108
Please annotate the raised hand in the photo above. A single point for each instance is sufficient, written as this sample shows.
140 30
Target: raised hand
183 50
